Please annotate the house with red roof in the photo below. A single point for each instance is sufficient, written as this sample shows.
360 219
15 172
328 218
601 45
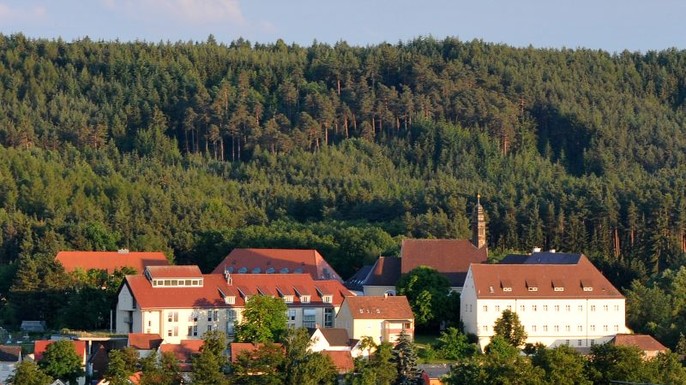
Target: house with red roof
648 345
184 351
559 298
39 347
380 317
450 257
109 260
272 261
180 303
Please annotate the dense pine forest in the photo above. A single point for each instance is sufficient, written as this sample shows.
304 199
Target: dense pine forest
195 148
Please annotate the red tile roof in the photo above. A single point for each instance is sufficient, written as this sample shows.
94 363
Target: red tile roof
238 348
342 360
39 347
385 272
278 261
178 271
536 281
143 341
210 294
184 350
109 260
642 341
451 257
379 307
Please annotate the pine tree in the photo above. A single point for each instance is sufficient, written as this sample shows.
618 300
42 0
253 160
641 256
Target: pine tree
405 359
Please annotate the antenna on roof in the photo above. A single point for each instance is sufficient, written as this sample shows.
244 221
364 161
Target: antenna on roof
227 275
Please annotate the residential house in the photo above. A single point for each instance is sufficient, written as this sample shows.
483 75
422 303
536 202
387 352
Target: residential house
342 360
559 299
334 340
179 302
380 317
272 261
450 257
145 344
40 346
10 357
109 260
184 351
648 345
433 374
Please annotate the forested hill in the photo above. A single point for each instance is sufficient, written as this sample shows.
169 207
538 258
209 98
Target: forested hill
196 148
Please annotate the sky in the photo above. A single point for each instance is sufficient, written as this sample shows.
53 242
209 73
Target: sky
610 25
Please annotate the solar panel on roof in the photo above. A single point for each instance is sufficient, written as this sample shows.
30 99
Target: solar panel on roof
243 270
284 270
256 270
270 270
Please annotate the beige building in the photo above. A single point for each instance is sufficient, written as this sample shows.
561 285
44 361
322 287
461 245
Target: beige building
559 299
380 317
181 303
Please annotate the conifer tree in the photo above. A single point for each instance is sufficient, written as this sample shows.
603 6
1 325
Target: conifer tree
405 359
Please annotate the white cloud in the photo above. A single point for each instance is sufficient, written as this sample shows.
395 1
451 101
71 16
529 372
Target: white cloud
188 11
17 14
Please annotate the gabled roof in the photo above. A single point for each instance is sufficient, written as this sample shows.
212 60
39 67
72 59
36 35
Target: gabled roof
642 341
342 360
39 347
184 350
10 353
334 336
215 286
176 271
238 348
356 282
110 260
541 280
143 341
385 272
379 307
450 257
271 261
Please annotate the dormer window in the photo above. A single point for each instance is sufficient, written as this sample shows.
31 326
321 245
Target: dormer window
305 299
558 285
531 285
586 285
506 285
288 298
327 299
230 300
532 288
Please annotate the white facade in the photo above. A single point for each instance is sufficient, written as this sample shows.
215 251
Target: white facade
574 320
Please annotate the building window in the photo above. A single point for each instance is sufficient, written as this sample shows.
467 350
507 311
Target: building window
534 307
484 328
579 343
212 315
567 342
616 307
328 317
616 328
606 308
327 299
580 328
605 328
291 317
556 328
497 308
169 332
209 328
545 328
533 328
522 308
592 327
509 307
557 307
592 307
193 331
581 307
485 308
568 307
568 328
545 307
309 318
230 325
173 316
305 299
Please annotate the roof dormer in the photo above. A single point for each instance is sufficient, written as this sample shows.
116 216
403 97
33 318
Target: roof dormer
506 285
587 285
531 284
558 285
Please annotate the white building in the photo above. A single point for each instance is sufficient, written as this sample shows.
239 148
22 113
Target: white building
559 299
181 303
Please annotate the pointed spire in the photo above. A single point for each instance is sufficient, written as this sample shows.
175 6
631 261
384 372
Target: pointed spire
478 224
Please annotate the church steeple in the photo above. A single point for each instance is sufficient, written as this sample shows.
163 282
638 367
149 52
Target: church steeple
478 224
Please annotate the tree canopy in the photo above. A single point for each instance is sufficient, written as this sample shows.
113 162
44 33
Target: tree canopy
264 320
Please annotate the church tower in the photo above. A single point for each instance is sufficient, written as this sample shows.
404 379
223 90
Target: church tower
478 224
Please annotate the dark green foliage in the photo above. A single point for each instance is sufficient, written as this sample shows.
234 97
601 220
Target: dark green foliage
264 320
28 373
428 293
510 328
208 366
61 361
121 365
454 345
405 359
380 368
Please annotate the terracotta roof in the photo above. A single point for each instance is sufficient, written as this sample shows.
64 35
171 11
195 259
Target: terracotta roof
272 261
385 272
342 360
379 307
334 336
143 341
178 271
184 350
109 260
210 294
451 257
536 281
642 341
39 347
10 353
237 348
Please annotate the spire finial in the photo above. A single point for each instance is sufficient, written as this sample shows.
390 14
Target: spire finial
478 198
